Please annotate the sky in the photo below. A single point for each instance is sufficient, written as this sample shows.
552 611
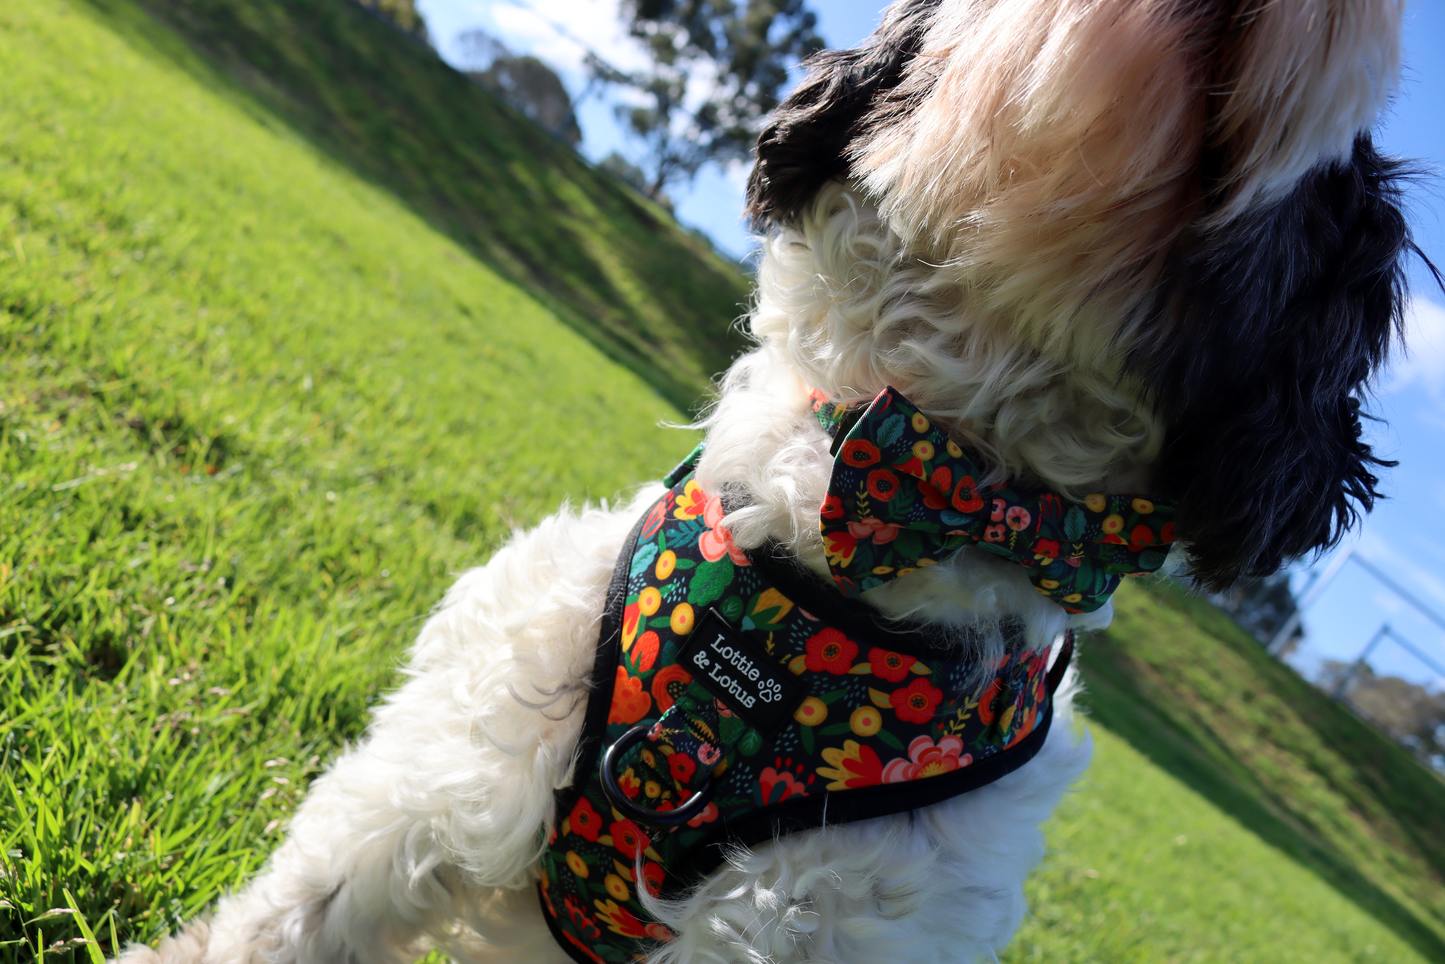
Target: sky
1405 536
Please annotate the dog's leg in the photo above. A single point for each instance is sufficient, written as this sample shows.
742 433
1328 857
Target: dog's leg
417 836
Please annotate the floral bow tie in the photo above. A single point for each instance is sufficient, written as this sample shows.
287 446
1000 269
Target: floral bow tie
903 496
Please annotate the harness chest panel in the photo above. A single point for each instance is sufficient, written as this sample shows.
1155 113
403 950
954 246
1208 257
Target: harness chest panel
774 700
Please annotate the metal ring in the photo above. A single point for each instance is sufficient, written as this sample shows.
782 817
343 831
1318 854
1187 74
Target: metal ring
662 818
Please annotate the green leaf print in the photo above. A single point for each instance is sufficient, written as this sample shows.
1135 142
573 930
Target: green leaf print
710 582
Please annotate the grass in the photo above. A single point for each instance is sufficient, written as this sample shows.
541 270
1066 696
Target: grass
1234 813
603 259
271 373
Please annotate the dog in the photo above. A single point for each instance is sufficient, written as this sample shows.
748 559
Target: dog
1101 246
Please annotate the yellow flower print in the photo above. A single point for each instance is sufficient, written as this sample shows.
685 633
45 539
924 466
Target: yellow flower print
649 601
1113 524
576 864
1049 583
923 449
616 887
1143 506
811 711
691 502
665 564
920 423
953 448
1095 502
682 619
866 720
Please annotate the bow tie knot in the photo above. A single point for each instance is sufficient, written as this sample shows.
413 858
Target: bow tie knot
904 495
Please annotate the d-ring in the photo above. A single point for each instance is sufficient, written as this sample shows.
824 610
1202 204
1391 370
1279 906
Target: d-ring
662 818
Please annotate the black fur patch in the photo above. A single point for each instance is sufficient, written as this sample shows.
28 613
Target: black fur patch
805 142
1260 352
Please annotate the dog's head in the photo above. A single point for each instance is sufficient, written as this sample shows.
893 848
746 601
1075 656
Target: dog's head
1181 193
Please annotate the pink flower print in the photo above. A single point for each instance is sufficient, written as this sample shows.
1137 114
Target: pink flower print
876 529
708 755
993 534
1018 518
717 541
997 514
928 759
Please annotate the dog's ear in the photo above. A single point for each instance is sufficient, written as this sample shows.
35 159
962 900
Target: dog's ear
805 142
1262 345
1294 82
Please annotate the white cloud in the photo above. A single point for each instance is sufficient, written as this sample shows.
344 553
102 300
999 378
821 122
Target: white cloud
558 32
1423 361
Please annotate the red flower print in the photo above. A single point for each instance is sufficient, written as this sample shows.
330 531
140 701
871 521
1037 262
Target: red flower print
927 759
913 467
584 820
660 683
991 703
653 876
1047 547
659 932
875 530
628 838
830 651
717 541
656 516
832 507
630 784
916 702
1018 518
856 765
681 767
1140 536
936 488
708 815
859 453
581 919
966 497
644 651
1167 533
619 920
770 780
629 702
839 548
889 665
993 534
996 515
882 484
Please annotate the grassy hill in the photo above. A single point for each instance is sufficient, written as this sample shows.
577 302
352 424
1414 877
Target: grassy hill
294 325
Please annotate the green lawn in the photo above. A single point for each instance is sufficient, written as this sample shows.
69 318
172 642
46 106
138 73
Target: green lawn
294 328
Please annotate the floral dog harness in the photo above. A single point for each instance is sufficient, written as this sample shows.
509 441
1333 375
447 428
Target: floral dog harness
736 698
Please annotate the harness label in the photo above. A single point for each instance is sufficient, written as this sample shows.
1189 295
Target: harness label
740 673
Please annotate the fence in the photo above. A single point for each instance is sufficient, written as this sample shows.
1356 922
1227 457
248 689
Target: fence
1410 712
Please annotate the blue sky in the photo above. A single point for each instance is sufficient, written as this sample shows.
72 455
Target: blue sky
1405 535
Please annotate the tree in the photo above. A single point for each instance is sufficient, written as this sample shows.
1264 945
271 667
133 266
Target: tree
403 13
717 68
522 81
